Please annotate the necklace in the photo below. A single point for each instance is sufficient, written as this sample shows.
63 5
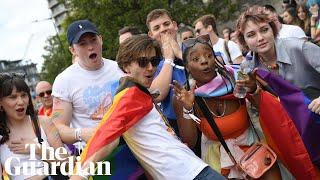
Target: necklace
166 122
214 114
274 67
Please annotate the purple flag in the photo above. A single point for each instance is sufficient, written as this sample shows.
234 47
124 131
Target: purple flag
296 104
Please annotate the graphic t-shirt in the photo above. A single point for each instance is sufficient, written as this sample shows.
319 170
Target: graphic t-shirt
88 91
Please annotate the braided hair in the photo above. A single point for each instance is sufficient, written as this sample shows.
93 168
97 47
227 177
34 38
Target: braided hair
221 69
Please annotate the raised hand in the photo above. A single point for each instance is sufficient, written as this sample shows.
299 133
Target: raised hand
167 50
183 96
174 44
248 81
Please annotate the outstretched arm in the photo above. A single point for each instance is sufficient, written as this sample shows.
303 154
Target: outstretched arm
97 157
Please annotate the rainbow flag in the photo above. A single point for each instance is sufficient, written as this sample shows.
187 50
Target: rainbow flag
131 103
290 127
123 165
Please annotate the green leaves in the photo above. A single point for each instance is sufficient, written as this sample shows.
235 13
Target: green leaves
112 15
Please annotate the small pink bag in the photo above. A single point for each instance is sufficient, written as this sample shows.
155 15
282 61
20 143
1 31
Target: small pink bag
258 159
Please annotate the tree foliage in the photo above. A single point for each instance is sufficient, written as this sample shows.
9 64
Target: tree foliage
56 59
112 15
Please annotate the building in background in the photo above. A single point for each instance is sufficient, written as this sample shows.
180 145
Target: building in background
27 68
59 12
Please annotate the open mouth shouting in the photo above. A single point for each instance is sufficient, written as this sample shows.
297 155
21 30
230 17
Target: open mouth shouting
93 56
20 111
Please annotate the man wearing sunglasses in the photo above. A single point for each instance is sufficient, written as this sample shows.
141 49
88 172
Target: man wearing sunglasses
229 50
44 90
136 118
163 29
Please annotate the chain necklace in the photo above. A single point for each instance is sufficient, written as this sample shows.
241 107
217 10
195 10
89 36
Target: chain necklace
274 67
165 120
214 114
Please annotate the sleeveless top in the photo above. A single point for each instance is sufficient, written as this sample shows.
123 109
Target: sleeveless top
15 164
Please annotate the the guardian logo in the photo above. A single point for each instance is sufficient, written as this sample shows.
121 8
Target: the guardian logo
51 160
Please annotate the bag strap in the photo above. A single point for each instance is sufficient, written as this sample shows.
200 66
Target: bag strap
203 107
226 49
36 127
254 129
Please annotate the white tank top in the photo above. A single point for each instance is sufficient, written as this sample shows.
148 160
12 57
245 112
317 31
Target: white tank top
5 153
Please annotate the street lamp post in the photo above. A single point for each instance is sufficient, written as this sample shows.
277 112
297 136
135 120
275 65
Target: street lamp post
55 28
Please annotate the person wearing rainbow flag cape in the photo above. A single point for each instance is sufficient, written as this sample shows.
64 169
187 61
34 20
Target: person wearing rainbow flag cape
135 116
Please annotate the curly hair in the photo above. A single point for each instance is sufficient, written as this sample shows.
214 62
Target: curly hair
7 83
255 14
133 47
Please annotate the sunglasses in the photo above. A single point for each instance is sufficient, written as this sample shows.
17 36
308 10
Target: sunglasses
144 61
48 92
14 75
203 39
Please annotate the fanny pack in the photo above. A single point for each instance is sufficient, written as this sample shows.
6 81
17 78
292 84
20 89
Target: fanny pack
257 160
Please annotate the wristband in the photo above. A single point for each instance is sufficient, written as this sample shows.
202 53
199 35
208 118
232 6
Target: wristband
77 134
187 111
188 114
169 61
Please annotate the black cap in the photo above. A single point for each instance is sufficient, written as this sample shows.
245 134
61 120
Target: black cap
78 28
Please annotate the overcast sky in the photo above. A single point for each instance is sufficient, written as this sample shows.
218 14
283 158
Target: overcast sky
20 36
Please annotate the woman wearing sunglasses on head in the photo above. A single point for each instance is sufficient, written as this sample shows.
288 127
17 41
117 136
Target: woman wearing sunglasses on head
18 127
214 84
135 116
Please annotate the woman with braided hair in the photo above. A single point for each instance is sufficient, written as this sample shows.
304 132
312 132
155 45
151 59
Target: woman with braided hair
214 84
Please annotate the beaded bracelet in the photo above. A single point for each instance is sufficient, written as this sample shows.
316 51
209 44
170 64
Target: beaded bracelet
188 114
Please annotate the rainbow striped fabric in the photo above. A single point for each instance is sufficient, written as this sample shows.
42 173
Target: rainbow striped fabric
131 103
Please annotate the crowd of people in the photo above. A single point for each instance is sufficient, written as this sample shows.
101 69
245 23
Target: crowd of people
166 108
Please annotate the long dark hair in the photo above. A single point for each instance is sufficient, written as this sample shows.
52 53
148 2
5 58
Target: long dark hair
7 83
